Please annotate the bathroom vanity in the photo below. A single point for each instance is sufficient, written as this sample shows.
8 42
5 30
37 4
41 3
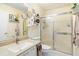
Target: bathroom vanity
26 47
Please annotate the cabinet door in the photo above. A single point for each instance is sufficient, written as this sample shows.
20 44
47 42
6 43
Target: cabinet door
63 33
31 52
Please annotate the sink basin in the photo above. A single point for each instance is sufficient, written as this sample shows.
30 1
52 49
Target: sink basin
20 46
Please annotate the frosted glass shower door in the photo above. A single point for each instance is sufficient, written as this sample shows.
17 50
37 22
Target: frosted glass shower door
63 33
47 31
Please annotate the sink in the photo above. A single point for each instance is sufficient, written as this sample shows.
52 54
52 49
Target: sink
20 46
25 45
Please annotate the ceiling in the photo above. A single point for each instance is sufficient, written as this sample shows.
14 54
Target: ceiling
49 6
43 6
19 6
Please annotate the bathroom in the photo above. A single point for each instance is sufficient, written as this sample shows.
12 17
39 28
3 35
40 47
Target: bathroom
39 29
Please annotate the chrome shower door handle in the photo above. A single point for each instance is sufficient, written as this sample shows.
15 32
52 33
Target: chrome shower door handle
63 33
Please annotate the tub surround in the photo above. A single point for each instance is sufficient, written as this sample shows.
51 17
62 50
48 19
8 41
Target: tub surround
17 49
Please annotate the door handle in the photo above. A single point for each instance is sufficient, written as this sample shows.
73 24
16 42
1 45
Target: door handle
63 33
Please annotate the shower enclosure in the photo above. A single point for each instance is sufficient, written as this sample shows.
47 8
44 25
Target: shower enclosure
57 32
46 32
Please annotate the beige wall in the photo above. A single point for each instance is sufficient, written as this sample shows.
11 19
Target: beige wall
59 10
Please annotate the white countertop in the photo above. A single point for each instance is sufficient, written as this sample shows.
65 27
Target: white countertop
15 49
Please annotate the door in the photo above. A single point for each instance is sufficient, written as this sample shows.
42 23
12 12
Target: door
63 33
46 31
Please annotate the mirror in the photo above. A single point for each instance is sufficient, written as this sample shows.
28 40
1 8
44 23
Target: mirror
4 17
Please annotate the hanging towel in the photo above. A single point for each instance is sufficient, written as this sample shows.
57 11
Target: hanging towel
77 31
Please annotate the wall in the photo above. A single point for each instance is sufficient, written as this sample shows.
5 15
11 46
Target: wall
11 26
59 10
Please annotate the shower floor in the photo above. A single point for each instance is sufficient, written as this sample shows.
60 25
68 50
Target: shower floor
49 52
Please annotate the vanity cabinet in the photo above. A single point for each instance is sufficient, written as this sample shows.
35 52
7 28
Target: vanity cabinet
33 51
30 52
